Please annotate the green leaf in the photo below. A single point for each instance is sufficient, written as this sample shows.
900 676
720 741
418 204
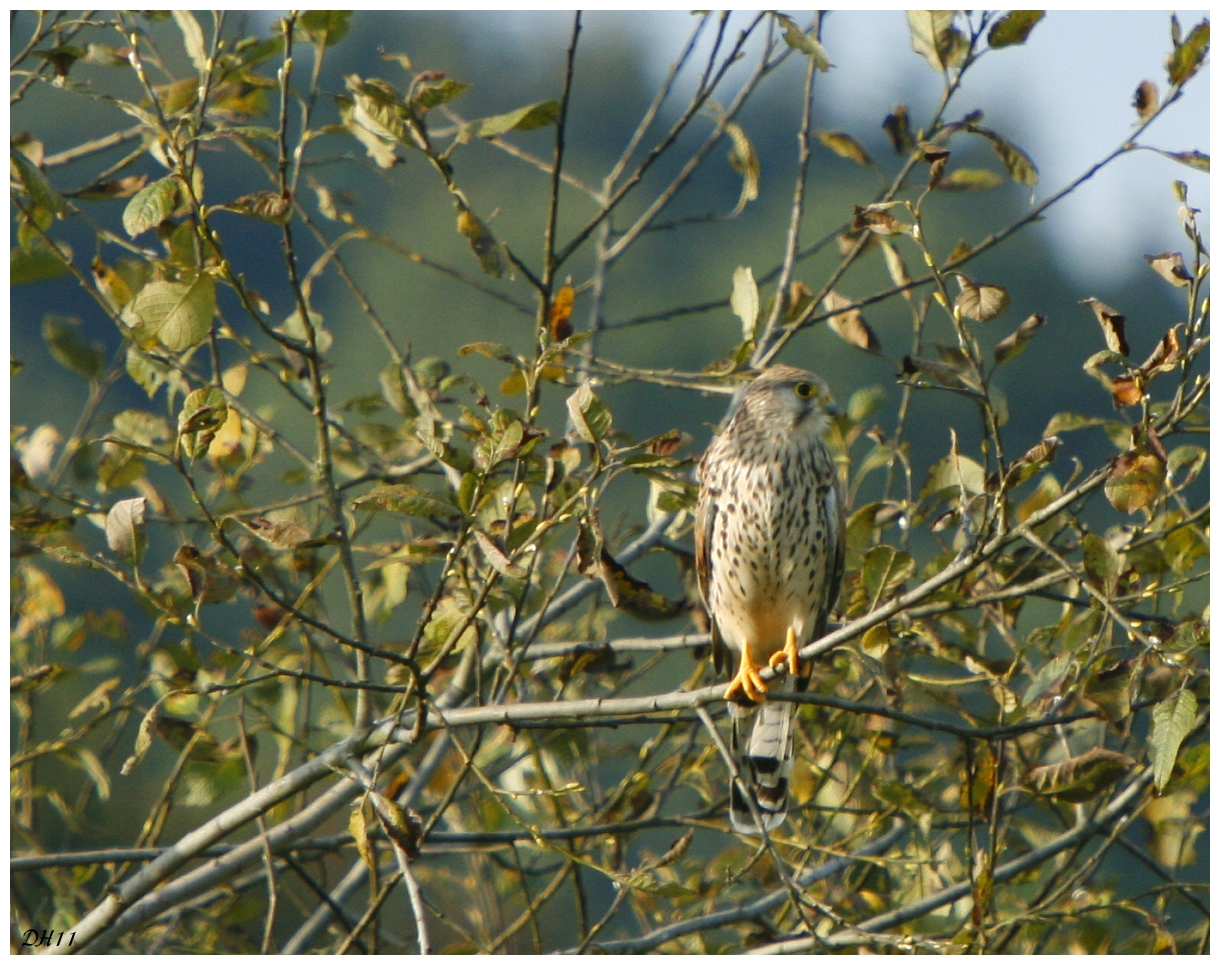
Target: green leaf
885 569
1016 162
408 501
37 187
150 206
744 302
797 39
1067 421
590 417
37 262
1013 345
522 119
482 242
1101 563
1188 56
954 472
1013 28
70 350
192 38
864 402
491 350
1047 677
203 412
846 146
1192 159
433 95
969 179
178 314
325 28
1172 720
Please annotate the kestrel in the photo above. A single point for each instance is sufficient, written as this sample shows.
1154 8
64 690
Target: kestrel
769 531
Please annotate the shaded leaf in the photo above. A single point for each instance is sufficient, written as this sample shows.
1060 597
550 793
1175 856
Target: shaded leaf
37 187
150 206
1113 325
897 128
123 528
883 572
113 188
522 119
1009 347
625 591
850 325
980 302
38 261
1110 690
497 557
895 265
846 146
1168 264
440 92
70 350
1146 101
946 375
210 580
407 500
1035 459
1102 565
1083 777
285 532
324 28
1013 28
265 205
1172 720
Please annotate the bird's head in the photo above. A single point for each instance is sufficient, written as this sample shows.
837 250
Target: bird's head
790 401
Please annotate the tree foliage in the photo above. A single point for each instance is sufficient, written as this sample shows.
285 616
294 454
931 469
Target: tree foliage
407 649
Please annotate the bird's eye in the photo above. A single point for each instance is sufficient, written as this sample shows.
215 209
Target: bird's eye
804 389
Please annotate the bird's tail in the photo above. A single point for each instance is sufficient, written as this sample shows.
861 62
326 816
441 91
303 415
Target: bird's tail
765 761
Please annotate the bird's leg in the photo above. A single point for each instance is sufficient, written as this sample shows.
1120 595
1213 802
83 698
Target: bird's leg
787 652
747 681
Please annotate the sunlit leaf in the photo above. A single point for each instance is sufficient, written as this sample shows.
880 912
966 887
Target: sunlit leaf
1134 480
1172 720
150 206
980 302
850 325
1016 162
1113 325
1168 264
1188 55
934 38
846 146
744 302
1009 347
1146 101
589 416
969 179
124 524
797 39
1083 777
525 118
324 28
192 38
482 242
204 411
744 160
407 500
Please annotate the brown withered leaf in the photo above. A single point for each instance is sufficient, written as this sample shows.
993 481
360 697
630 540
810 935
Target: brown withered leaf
878 221
1168 264
497 557
895 266
897 128
796 299
561 313
117 188
1081 778
210 580
1166 354
1146 100
980 302
264 205
1040 456
1113 325
960 251
937 157
285 533
1013 345
1134 481
624 590
850 325
944 374
667 443
1110 690
845 145
1125 391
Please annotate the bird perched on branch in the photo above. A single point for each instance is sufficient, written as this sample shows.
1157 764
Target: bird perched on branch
769 531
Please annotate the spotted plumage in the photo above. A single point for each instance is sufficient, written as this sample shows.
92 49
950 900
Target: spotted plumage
769 533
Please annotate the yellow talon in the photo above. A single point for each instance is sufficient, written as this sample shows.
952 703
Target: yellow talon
747 680
788 652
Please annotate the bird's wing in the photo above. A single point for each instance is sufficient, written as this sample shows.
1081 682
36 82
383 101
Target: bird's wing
836 524
705 520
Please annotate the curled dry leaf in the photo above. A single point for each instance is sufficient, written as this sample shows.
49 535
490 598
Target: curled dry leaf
1081 778
625 592
1146 100
1125 390
561 313
123 524
878 221
1134 481
1113 325
1168 264
1165 356
849 324
497 557
1013 345
943 373
897 128
980 302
